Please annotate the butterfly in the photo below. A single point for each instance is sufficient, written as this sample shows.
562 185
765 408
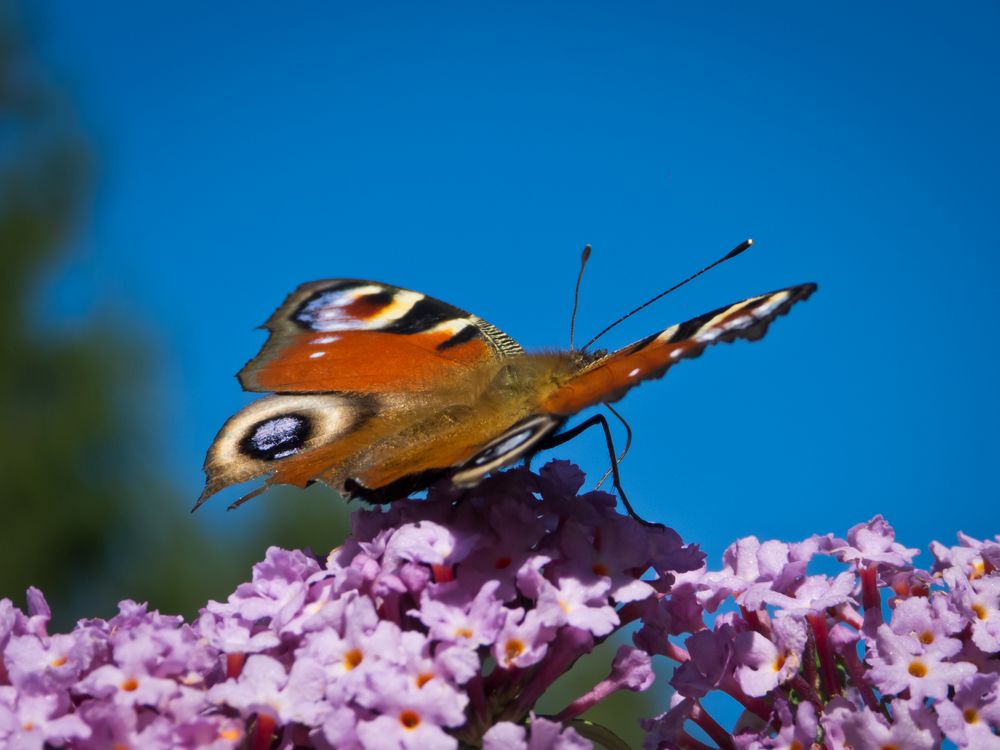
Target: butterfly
381 391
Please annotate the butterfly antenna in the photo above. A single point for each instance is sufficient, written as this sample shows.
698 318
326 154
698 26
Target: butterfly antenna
628 443
584 257
731 254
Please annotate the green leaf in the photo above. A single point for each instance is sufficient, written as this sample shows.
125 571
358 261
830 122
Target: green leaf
599 734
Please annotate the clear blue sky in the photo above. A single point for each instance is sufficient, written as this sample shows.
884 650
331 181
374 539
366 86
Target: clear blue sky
469 151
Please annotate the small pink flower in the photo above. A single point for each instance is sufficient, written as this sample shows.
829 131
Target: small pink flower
31 721
523 640
711 654
451 617
764 664
972 717
866 730
540 734
903 662
579 605
979 601
874 542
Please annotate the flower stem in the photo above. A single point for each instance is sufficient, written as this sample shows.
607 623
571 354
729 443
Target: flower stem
847 614
263 732
755 705
712 728
807 691
675 652
234 664
869 588
758 620
567 650
686 742
809 661
828 669
477 697
588 700
871 599
443 573
856 670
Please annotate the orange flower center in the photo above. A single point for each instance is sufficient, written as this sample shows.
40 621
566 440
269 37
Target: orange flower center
980 611
779 662
353 658
463 633
927 637
917 669
58 661
409 719
230 734
130 684
970 715
423 678
600 569
513 649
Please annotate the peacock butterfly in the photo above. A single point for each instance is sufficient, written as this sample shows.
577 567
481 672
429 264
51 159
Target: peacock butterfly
380 391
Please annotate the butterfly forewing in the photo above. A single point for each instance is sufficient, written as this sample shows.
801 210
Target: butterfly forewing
364 336
365 375
609 378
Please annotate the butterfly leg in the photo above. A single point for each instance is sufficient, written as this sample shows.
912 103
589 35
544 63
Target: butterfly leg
238 503
600 419
628 444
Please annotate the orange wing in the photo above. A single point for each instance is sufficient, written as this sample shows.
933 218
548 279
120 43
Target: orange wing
609 378
367 337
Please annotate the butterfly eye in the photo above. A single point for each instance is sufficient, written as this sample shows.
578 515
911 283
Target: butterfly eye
276 438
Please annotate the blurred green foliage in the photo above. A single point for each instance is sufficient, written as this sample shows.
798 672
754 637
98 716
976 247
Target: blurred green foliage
88 516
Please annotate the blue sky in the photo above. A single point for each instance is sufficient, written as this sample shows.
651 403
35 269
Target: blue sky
469 151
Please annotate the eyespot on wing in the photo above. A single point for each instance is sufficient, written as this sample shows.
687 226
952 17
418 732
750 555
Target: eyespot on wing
257 439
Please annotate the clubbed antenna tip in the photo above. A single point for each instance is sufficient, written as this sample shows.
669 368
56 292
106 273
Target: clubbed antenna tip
745 245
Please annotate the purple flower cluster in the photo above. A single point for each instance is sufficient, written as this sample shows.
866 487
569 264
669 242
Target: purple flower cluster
137 680
881 655
438 624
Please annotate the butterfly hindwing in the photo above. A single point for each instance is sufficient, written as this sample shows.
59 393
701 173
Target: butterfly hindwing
365 336
271 435
378 447
609 378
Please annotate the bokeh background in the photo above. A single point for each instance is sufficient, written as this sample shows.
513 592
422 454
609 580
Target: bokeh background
168 172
